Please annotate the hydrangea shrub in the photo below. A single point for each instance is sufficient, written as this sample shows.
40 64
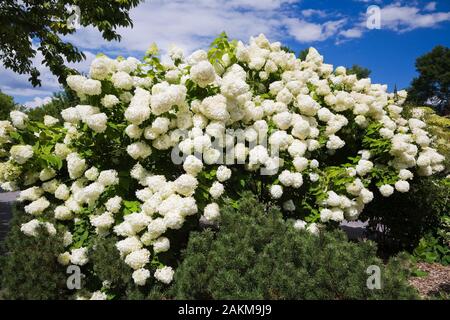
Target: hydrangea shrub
155 147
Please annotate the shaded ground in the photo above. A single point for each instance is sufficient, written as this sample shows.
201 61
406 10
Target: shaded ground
6 201
436 283
355 230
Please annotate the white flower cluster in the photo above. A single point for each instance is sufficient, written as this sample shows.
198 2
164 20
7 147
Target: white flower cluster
285 112
21 153
31 228
87 114
165 206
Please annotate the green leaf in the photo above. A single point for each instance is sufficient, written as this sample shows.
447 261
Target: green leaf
419 273
131 206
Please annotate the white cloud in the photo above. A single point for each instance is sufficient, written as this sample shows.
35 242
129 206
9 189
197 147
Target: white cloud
37 102
304 31
398 18
190 24
17 85
352 33
231 4
259 4
371 1
405 18
313 12
430 6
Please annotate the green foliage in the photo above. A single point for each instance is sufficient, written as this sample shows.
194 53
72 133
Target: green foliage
440 128
427 210
373 141
435 245
360 72
444 229
407 217
219 47
27 24
6 106
287 49
302 54
109 267
43 140
81 232
431 250
256 254
28 267
433 82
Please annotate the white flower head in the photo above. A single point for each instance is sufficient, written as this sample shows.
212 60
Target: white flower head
79 256
164 275
140 276
276 191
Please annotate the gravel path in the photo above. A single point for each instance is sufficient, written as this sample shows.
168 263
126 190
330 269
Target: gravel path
436 281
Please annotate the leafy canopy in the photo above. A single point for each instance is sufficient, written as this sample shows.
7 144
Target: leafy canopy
432 86
29 26
360 72
6 105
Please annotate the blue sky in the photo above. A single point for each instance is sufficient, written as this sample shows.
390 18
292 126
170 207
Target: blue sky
336 28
